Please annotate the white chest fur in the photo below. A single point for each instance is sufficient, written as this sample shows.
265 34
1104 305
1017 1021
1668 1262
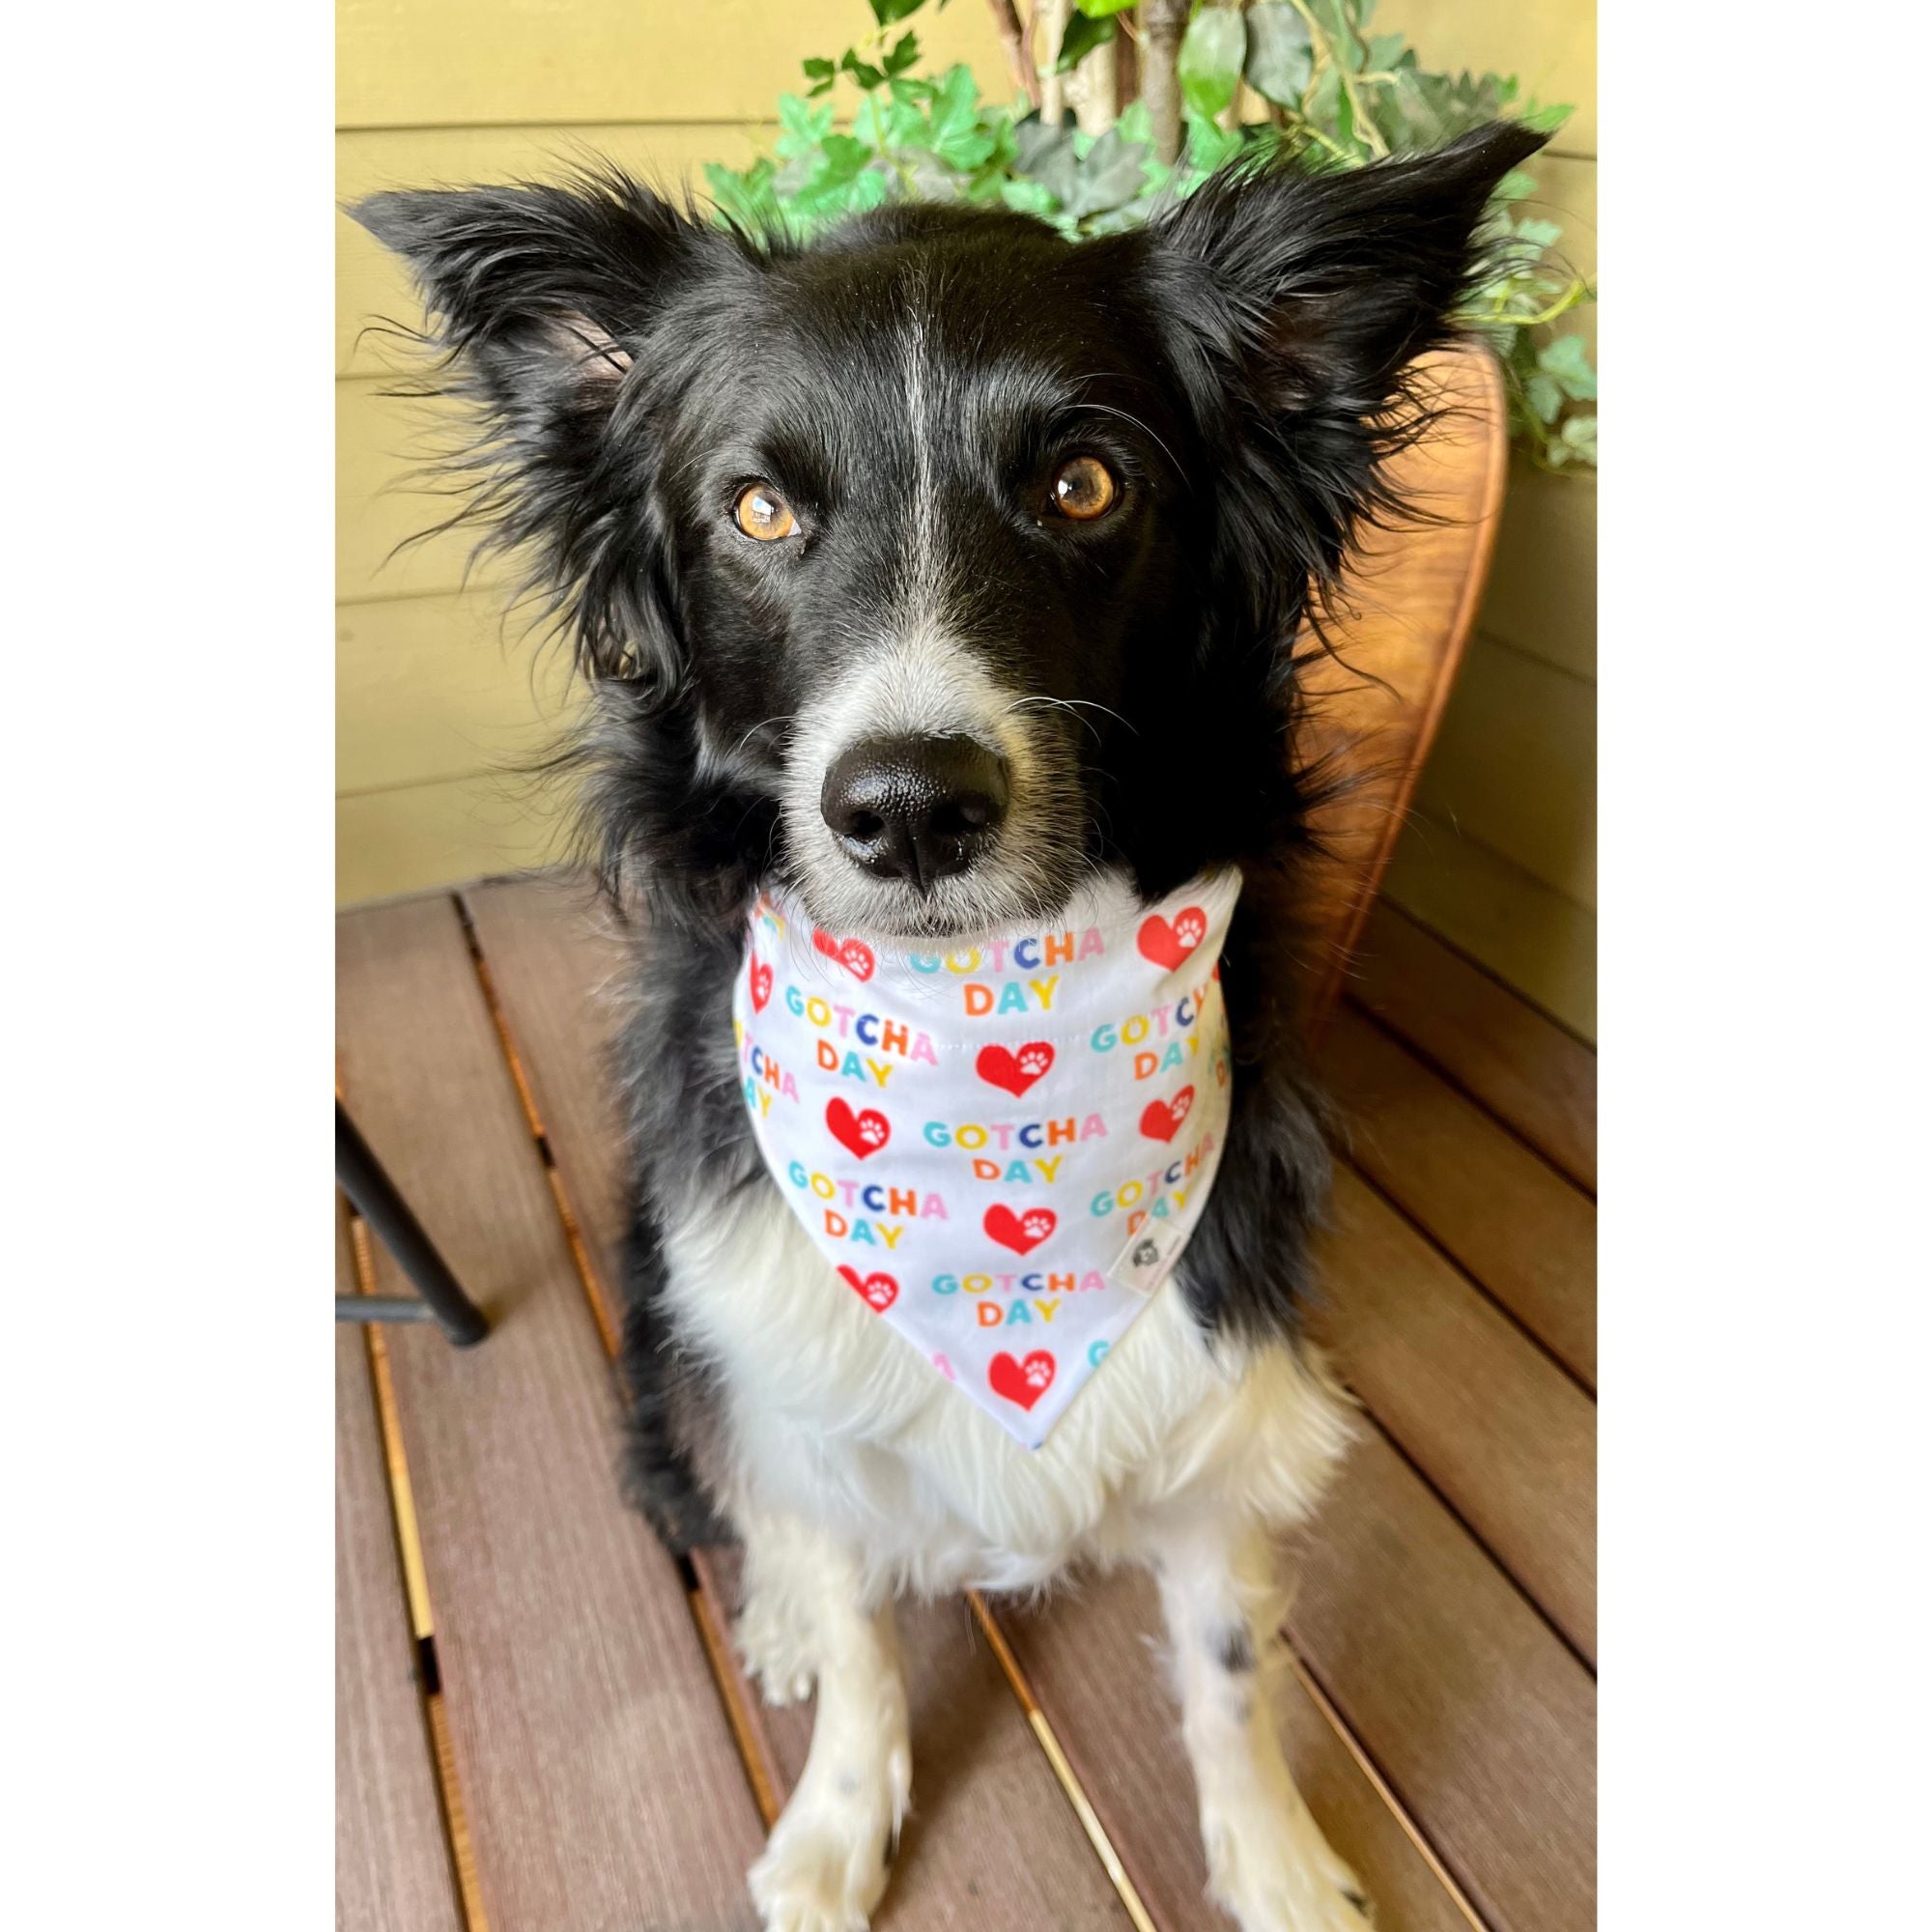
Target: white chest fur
833 1414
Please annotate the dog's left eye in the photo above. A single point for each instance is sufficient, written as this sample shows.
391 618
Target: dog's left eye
760 511
1083 489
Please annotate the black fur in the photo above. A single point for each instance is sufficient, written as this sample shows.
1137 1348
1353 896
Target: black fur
1238 363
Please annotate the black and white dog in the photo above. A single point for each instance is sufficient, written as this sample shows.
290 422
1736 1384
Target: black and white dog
931 572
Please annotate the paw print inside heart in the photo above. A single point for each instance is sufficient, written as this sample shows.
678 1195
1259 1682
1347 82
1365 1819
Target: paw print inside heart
877 1291
861 1134
1022 1233
1162 1120
854 955
1168 945
1021 1382
1014 1070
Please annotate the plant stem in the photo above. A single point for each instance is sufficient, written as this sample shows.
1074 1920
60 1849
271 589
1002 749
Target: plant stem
1318 38
1162 24
1007 24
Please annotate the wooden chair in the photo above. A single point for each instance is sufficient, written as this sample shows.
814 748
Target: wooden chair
1412 594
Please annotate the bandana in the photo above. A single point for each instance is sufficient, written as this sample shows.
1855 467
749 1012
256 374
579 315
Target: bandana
1003 1149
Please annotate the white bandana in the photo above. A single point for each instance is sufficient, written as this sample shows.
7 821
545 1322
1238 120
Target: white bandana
1002 1148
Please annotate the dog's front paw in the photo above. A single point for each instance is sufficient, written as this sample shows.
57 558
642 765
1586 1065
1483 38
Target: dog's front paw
825 1865
1278 1874
774 1640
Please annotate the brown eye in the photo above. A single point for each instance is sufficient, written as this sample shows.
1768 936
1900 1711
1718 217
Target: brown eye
1083 489
761 512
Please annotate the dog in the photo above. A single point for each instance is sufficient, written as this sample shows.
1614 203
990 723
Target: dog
933 582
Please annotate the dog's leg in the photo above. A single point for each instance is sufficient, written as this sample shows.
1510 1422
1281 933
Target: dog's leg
1269 1864
825 1865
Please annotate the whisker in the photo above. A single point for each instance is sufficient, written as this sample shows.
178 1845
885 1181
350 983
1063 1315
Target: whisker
1070 704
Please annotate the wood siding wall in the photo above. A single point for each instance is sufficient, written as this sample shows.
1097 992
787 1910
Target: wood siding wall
440 696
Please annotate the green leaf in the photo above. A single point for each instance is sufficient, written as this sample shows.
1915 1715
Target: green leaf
1209 144
888 12
802 128
956 101
1029 197
1211 53
818 70
1100 10
1539 234
1516 186
1579 434
1386 50
904 52
1569 362
1279 58
1084 33
1545 396
862 71
1545 120
1113 173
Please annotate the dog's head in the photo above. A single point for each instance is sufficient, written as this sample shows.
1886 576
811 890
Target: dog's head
971 554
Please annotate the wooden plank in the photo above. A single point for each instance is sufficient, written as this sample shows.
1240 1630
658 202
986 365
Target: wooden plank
455 62
392 1863
430 688
1535 1078
385 442
991 1840
1515 765
1482 1722
404 839
599 1777
1520 1229
1093 1660
1505 1436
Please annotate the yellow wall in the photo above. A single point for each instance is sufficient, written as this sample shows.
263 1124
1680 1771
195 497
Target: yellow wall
437 697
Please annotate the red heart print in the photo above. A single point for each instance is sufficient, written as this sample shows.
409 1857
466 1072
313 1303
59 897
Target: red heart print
863 1134
1014 1072
1162 1120
1022 1382
761 983
851 953
1022 1233
877 1290
1169 945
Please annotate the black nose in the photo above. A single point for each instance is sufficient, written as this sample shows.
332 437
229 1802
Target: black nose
915 809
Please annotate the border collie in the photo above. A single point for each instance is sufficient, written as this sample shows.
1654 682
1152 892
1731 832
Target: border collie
937 586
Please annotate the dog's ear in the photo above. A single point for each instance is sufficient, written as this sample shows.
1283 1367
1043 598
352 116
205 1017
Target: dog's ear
540 299
1311 294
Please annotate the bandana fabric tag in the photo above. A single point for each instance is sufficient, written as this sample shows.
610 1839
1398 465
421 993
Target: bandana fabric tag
1002 1149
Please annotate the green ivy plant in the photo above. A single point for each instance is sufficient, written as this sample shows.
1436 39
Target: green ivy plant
1341 96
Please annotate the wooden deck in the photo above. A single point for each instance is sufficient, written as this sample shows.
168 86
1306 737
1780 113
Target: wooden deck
539 1723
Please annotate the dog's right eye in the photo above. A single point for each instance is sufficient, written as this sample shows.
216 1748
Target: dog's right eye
760 511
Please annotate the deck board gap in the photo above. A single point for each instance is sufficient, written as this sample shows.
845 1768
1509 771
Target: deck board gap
1350 1742
596 1291
1476 1537
1063 1770
1489 973
1422 1055
457 1839
1427 1235
1386 1785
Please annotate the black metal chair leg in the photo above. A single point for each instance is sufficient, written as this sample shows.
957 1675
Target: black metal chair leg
373 1194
